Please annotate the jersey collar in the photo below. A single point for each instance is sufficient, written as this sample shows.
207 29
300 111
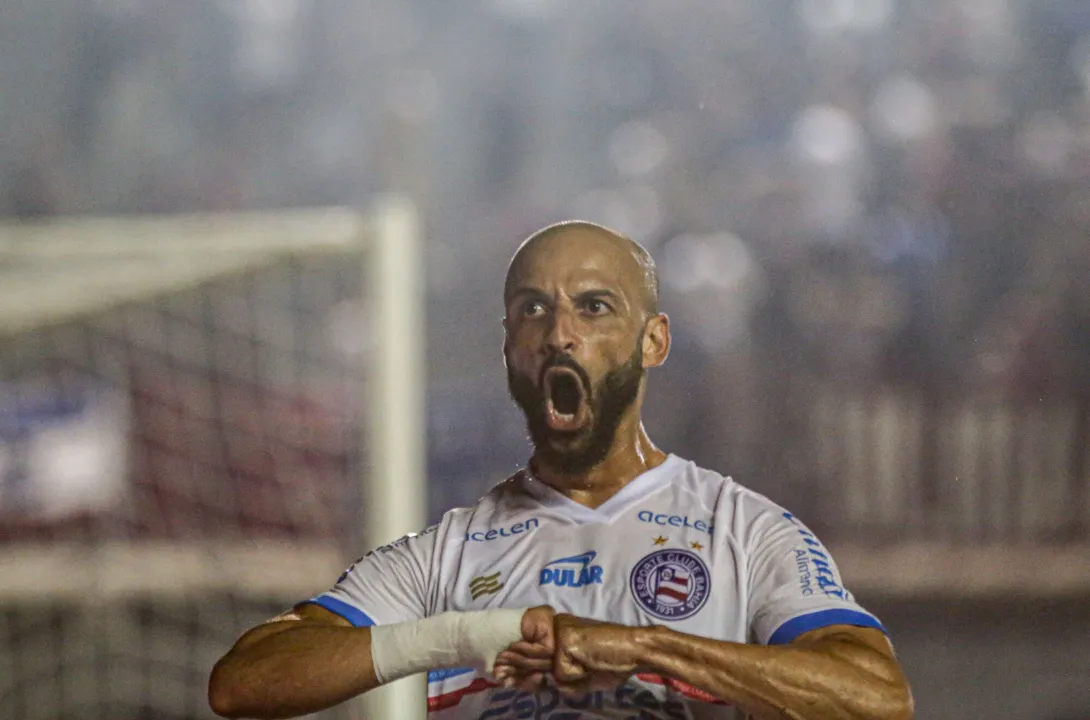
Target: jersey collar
640 487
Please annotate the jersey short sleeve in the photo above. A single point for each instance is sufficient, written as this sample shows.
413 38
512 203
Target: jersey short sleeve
387 585
795 586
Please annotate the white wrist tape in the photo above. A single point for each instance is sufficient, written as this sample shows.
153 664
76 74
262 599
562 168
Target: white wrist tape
448 640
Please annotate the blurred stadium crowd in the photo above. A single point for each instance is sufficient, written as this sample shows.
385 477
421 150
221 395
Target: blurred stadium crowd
872 196
872 223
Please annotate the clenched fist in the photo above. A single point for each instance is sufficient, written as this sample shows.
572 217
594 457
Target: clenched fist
580 654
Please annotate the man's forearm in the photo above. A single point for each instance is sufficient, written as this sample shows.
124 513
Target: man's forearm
827 680
293 668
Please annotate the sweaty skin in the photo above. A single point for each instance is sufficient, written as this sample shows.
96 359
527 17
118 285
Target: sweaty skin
583 300
300 662
552 294
583 292
830 673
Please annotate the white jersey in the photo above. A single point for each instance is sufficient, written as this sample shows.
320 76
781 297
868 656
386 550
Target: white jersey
678 546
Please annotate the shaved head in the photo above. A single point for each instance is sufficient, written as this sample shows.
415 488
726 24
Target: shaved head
634 261
581 328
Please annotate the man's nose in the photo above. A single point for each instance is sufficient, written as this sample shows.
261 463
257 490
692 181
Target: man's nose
563 336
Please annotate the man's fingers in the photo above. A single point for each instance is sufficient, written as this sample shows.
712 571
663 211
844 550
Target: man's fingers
567 670
527 656
510 676
592 683
524 663
530 649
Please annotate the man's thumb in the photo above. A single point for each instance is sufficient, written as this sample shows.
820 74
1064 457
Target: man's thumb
537 625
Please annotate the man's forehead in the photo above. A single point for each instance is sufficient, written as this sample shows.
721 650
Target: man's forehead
575 256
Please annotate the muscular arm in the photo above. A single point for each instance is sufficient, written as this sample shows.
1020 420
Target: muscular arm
311 659
300 662
839 672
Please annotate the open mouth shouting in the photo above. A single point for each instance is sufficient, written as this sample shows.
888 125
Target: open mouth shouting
566 405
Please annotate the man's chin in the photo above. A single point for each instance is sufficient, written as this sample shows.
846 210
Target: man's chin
567 452
560 441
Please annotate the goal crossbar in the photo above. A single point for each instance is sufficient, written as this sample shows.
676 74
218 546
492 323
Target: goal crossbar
53 271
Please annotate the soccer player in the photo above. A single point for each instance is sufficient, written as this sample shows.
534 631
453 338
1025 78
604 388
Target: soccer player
608 579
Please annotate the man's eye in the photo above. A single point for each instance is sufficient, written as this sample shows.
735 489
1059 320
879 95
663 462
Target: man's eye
597 307
533 308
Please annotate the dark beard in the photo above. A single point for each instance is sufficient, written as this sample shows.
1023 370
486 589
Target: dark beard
572 453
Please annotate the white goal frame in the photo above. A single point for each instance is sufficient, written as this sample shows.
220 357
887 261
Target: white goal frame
61 276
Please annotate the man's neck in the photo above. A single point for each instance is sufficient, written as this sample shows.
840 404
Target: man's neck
628 458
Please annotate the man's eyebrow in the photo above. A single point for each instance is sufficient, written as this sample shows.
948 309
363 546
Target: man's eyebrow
525 291
534 293
600 293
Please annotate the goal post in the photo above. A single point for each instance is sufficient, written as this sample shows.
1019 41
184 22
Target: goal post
396 491
202 418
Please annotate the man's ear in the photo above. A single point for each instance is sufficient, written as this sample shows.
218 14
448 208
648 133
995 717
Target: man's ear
656 340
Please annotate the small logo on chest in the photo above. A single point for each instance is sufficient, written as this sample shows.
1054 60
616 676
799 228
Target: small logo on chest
575 571
485 585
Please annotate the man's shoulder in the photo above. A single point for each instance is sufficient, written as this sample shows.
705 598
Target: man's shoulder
724 485
711 485
741 507
757 519
507 496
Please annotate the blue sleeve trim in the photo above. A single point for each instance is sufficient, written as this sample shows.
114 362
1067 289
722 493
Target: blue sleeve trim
822 618
438 675
352 614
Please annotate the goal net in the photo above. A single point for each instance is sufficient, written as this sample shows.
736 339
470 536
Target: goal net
202 420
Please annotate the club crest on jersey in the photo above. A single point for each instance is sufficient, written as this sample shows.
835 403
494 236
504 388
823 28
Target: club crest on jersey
670 584
575 571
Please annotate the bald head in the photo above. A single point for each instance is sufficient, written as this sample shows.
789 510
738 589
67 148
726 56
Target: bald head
586 239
